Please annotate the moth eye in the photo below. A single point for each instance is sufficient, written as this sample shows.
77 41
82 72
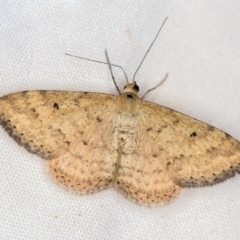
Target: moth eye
136 87
125 87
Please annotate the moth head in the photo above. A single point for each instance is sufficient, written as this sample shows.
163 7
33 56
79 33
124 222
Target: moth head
131 88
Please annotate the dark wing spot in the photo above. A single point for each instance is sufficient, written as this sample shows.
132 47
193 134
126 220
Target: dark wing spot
85 143
176 122
149 129
154 155
168 165
55 105
194 134
99 119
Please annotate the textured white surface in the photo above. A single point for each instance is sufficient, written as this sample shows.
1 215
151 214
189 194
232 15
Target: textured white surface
198 46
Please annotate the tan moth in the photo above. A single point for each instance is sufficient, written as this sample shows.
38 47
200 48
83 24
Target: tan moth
92 141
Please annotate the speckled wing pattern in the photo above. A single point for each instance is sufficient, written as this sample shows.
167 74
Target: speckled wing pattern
194 153
67 129
93 141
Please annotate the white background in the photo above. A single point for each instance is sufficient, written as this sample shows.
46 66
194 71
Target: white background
198 47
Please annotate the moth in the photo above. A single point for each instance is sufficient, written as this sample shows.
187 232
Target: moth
92 141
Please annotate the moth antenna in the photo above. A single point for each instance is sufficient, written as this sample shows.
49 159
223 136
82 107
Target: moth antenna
110 67
149 48
91 60
162 81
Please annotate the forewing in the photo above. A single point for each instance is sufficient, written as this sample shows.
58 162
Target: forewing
193 153
44 121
